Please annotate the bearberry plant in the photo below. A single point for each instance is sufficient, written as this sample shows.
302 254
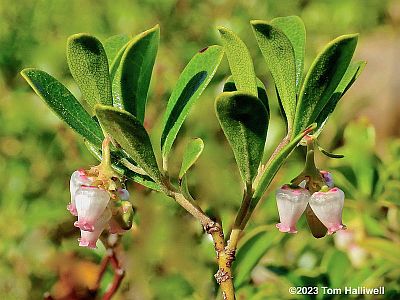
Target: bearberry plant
114 80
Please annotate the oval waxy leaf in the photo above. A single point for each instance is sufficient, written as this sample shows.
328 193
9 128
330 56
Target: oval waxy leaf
280 57
322 79
191 83
240 62
353 71
293 28
113 45
244 120
127 130
132 78
192 152
87 61
64 104
230 86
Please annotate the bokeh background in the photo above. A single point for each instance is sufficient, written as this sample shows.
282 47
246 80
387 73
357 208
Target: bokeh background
166 255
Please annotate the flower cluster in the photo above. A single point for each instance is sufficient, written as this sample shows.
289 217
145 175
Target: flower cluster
98 205
326 204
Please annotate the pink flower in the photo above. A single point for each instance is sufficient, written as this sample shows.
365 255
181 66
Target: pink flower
89 238
328 207
291 205
90 203
78 178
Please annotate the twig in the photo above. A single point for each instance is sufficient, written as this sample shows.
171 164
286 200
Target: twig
119 274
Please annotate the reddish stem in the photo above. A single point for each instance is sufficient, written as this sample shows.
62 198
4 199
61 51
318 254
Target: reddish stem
119 274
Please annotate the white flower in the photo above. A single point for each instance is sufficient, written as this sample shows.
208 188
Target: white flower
328 207
89 238
291 205
90 204
78 178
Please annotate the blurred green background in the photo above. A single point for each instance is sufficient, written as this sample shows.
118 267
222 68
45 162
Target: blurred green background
167 256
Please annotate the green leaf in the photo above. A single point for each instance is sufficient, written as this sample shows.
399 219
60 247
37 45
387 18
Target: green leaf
192 152
191 84
88 64
338 269
114 66
64 104
113 45
240 61
293 28
127 130
322 79
353 72
230 86
251 251
132 79
272 168
244 120
280 57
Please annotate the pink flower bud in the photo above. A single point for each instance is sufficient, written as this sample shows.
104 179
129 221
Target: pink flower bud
90 204
328 207
123 194
89 238
291 204
78 178
328 178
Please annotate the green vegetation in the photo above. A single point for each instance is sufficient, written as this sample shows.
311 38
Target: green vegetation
166 254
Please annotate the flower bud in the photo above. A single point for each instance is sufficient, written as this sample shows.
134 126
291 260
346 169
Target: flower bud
123 194
291 205
122 220
89 238
78 178
328 178
328 207
90 204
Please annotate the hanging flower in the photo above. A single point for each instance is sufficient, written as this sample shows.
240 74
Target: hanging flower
89 238
90 203
78 178
99 200
328 207
291 204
